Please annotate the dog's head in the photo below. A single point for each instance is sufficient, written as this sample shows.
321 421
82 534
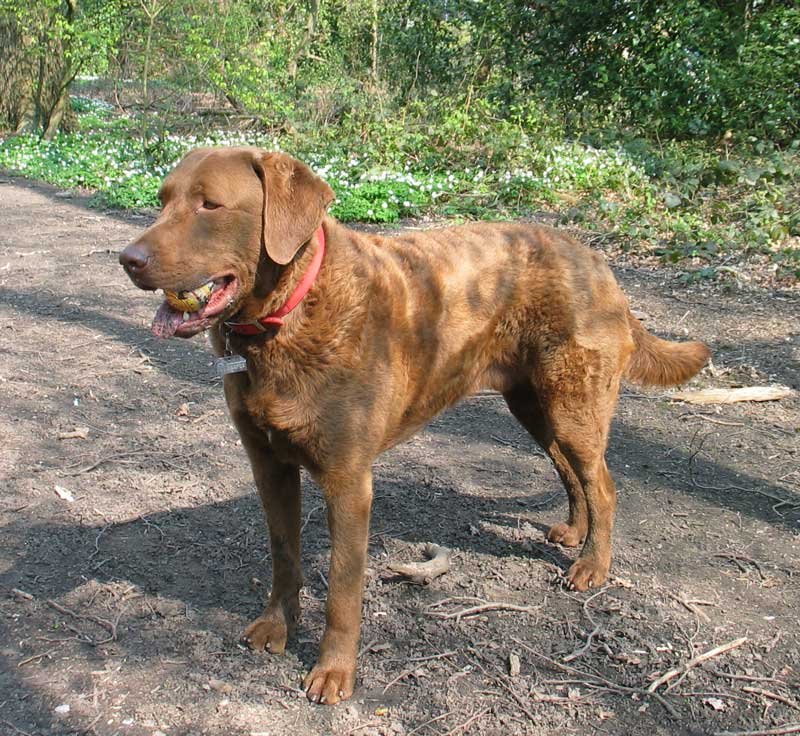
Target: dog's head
225 212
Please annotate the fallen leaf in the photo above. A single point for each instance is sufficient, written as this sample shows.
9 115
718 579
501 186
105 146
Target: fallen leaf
715 703
513 664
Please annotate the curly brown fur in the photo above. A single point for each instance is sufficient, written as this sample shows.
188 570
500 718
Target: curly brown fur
393 331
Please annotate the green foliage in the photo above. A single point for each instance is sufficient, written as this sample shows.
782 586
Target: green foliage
691 204
46 43
682 69
669 123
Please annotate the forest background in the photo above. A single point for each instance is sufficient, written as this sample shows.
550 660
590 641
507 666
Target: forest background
666 129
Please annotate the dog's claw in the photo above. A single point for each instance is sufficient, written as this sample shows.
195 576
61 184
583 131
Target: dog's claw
587 572
329 685
267 633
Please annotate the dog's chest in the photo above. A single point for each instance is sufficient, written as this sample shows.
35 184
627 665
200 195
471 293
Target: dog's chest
288 420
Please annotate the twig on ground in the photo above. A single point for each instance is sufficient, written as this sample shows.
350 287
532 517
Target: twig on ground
724 489
149 524
742 558
780 731
539 504
713 420
747 678
422 573
613 686
34 658
110 627
610 685
97 542
690 606
484 607
500 680
430 657
428 723
401 676
308 517
593 633
502 441
129 456
368 724
733 395
713 694
468 722
772 696
692 663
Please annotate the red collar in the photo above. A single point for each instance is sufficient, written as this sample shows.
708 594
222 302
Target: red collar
275 319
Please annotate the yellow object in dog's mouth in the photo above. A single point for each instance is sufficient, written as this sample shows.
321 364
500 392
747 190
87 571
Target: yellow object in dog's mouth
190 301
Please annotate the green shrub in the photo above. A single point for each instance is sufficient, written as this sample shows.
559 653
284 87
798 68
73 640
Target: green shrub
684 201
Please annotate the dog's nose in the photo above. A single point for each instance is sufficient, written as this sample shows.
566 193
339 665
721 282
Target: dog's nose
134 258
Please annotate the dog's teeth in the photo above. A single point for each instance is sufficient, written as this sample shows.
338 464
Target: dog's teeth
185 316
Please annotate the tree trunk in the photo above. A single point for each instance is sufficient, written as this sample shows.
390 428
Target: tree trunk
313 18
34 73
375 42
146 70
58 113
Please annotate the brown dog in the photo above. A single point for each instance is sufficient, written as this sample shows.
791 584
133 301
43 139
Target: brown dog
391 332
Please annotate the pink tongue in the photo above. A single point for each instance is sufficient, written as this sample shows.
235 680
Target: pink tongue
166 321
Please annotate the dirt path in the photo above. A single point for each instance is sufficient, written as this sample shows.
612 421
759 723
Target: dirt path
134 594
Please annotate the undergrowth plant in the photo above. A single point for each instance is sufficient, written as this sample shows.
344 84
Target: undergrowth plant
686 202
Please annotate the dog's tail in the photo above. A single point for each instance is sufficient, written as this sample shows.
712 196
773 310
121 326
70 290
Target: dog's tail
660 362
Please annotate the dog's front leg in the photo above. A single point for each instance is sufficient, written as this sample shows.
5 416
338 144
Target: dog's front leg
349 499
279 487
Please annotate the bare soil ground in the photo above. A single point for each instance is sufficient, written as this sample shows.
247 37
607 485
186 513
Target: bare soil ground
126 604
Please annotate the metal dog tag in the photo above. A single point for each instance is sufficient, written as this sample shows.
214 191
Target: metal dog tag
230 364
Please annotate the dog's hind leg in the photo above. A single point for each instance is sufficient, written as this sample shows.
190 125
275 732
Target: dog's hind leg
578 387
568 408
524 405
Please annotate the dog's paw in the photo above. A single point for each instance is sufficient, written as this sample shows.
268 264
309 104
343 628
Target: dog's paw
587 572
565 534
329 685
267 633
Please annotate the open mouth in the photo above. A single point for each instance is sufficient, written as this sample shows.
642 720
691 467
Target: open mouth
185 313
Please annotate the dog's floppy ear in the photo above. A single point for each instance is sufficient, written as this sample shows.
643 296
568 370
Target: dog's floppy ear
295 201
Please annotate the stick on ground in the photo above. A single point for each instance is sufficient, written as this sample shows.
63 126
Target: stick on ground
699 659
790 728
733 395
422 573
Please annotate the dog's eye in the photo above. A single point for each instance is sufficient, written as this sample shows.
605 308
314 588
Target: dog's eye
210 205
